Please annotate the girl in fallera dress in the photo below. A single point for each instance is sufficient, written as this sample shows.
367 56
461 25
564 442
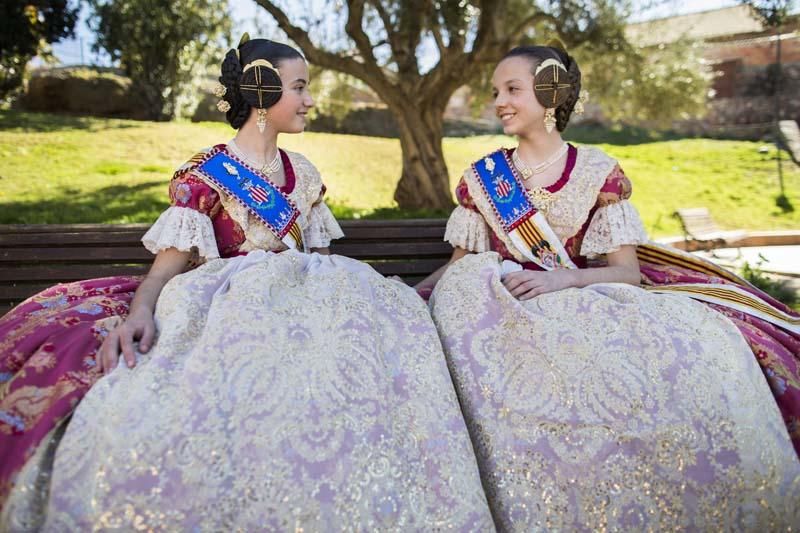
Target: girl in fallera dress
607 382
262 387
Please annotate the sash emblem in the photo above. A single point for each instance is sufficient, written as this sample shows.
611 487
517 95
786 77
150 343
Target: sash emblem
255 192
525 226
502 187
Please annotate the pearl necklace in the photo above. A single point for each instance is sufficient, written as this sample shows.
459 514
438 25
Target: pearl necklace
528 172
267 168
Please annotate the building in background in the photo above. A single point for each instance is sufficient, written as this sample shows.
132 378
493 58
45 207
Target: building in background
742 52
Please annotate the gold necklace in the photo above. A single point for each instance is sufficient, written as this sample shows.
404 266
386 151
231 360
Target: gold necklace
528 172
267 168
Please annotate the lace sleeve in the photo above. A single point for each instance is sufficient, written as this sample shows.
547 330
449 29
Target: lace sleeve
466 229
183 228
613 225
322 227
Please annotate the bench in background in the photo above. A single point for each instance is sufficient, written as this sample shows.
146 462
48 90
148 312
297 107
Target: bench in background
34 257
700 232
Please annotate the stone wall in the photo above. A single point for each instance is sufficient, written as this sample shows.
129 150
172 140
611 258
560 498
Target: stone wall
81 90
746 110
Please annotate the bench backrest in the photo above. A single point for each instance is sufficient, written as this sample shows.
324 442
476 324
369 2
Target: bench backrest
696 222
34 257
790 138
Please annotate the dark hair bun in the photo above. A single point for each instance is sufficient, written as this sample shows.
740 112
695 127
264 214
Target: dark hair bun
551 84
237 82
231 74
564 99
260 85
564 111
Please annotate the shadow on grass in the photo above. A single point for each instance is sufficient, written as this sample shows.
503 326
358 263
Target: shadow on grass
621 135
49 122
784 203
116 204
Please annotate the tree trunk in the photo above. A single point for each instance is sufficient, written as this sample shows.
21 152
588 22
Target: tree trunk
424 182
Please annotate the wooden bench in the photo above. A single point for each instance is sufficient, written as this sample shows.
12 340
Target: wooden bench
34 257
789 139
700 232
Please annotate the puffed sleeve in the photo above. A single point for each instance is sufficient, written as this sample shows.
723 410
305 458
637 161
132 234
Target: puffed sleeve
322 226
466 227
615 221
186 224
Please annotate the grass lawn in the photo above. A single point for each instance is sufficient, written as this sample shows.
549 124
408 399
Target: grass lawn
60 169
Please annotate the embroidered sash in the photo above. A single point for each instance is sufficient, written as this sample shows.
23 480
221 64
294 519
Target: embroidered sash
732 296
519 219
254 191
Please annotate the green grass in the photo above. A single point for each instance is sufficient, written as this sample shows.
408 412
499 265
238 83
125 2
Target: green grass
61 169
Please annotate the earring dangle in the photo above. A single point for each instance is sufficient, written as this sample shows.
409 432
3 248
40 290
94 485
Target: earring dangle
261 120
582 99
549 119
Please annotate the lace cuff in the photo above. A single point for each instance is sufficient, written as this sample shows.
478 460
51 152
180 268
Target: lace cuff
612 226
467 229
322 227
185 229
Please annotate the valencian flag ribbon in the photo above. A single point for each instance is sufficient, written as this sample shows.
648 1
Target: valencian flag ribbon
254 191
527 227
726 294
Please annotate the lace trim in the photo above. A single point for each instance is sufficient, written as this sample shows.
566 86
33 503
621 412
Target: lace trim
613 226
571 205
185 229
322 227
467 229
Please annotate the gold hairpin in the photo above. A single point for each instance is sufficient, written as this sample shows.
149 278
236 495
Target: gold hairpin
549 62
260 63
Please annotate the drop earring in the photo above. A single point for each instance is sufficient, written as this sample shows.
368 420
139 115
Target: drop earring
261 121
549 119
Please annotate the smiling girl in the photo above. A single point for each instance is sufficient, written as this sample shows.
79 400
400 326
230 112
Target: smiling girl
595 402
270 389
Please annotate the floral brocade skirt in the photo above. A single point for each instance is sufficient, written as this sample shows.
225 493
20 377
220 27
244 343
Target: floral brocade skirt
611 407
284 392
776 349
47 349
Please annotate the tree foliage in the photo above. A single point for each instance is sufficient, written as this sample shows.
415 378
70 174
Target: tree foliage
772 12
629 83
25 28
164 47
648 85
415 53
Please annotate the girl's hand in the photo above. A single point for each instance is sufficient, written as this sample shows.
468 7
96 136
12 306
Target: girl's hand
527 284
138 326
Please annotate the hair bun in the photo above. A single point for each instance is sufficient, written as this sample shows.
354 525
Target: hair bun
551 83
260 86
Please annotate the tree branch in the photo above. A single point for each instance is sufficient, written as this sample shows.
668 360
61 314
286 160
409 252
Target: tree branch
532 20
369 73
436 30
355 16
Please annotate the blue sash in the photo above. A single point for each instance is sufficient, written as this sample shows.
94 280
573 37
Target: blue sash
254 191
525 226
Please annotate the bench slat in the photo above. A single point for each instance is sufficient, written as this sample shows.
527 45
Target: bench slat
140 255
133 237
363 224
57 273
120 254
